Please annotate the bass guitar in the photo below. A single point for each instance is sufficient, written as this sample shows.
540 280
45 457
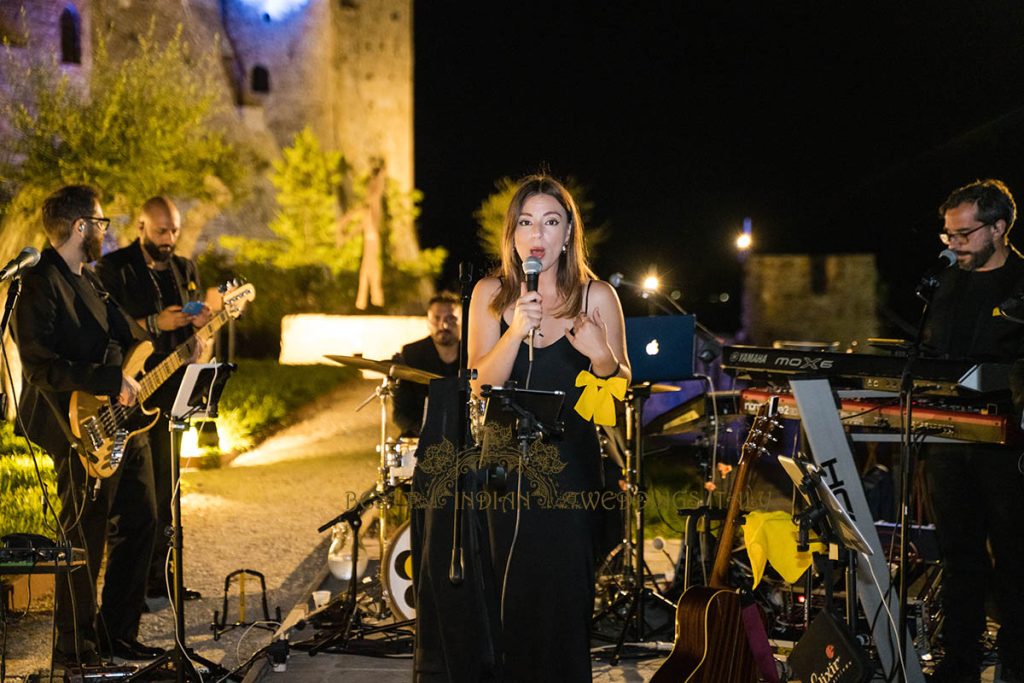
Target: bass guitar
105 426
711 644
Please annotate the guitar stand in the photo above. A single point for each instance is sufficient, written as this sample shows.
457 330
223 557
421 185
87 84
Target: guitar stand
339 623
220 624
634 597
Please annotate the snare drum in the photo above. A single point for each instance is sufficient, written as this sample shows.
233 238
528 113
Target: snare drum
396 574
401 459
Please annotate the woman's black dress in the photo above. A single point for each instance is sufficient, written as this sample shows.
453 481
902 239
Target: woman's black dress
549 587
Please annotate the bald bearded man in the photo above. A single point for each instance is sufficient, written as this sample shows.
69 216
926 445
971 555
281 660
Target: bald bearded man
152 284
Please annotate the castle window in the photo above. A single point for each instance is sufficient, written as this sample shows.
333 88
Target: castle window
819 274
260 81
70 36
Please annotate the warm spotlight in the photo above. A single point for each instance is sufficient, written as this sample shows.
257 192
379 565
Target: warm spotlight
744 241
651 283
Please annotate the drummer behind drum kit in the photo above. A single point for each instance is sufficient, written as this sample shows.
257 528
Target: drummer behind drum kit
387 495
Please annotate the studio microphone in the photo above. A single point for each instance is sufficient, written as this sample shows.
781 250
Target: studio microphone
28 257
616 279
930 279
946 258
531 268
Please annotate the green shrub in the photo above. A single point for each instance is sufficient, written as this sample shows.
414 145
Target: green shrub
279 292
284 291
21 500
262 396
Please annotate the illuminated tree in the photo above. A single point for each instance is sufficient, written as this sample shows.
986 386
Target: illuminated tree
138 126
318 223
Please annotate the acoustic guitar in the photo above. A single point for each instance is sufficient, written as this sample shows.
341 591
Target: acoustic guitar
711 643
106 427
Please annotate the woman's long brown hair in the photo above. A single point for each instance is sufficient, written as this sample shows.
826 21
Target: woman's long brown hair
573 270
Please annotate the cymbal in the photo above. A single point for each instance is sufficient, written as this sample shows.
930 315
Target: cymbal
655 388
693 415
386 367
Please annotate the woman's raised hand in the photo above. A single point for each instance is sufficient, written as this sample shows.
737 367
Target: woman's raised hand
589 336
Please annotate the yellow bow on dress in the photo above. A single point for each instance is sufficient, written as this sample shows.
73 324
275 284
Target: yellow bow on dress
597 403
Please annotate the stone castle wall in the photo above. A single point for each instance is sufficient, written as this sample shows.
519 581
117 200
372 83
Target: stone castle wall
343 67
828 298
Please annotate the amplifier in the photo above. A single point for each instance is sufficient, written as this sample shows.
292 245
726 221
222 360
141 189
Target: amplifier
829 653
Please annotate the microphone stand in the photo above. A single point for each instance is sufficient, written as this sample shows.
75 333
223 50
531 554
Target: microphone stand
925 290
457 570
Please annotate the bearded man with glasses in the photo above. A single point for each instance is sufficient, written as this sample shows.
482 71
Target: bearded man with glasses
72 336
977 490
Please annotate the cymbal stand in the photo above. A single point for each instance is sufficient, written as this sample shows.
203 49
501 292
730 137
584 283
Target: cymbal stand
384 487
383 394
635 570
339 622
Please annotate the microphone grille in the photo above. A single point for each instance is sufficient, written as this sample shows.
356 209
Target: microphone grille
948 255
32 253
615 279
532 265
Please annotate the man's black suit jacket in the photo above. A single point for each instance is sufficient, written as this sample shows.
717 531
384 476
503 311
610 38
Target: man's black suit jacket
128 279
70 337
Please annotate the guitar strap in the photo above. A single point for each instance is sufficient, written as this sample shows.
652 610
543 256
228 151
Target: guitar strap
759 645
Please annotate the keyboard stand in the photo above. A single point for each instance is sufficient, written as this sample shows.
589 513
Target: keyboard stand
830 449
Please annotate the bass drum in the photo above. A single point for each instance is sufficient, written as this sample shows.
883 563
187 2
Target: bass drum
396 574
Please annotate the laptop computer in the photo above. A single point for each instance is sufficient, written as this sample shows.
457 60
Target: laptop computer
661 347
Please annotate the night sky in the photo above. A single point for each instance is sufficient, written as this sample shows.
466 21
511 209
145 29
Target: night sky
837 127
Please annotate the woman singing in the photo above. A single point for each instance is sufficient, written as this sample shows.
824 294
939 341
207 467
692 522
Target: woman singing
542 551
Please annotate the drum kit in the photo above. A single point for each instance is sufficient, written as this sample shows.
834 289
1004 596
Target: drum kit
394 475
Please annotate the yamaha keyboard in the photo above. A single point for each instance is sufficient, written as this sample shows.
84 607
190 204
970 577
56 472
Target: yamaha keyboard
932 376
937 419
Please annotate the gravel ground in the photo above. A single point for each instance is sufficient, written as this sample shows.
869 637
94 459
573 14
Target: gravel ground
260 512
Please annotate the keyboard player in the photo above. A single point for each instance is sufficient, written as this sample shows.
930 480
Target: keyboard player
977 490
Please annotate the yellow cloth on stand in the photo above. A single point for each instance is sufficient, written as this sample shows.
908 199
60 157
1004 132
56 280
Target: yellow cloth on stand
772 537
597 402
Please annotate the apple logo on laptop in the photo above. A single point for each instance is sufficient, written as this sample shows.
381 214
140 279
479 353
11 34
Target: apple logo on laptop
652 348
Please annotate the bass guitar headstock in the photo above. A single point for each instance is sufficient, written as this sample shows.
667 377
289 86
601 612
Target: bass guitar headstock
236 294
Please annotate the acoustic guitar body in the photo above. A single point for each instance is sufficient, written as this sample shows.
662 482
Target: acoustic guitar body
711 644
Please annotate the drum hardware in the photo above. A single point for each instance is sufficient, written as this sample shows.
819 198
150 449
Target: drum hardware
629 597
340 622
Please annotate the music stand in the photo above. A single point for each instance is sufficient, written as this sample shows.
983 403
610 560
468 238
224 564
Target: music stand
806 477
829 516
198 397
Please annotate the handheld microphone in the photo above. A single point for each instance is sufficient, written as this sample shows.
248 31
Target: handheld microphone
28 257
531 268
616 279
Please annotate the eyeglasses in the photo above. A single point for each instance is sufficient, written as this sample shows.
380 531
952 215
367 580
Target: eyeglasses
948 238
101 223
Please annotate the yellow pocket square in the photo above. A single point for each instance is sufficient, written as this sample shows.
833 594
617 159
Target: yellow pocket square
772 537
